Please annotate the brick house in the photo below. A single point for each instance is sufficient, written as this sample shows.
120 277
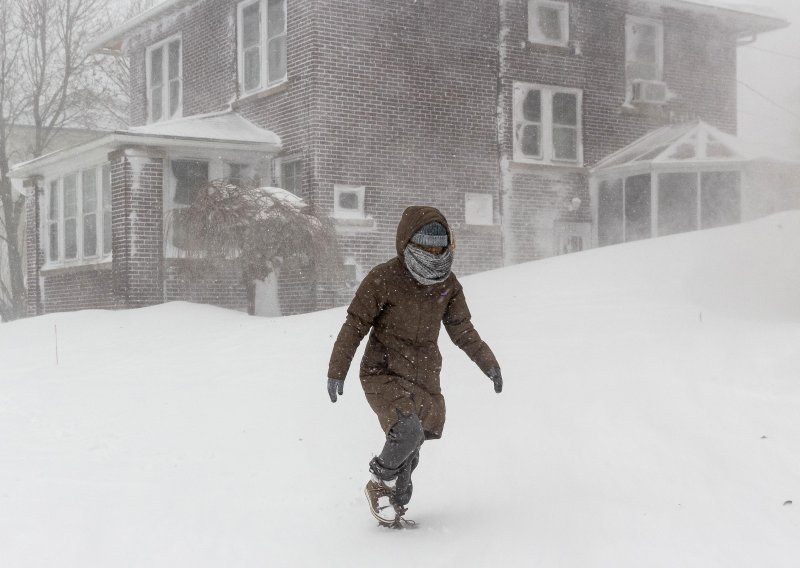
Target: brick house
494 111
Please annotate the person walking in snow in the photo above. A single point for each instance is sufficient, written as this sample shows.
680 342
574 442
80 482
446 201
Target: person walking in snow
404 301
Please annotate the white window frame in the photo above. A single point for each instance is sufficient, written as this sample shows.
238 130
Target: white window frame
263 47
630 22
534 31
165 90
547 148
57 183
342 213
488 199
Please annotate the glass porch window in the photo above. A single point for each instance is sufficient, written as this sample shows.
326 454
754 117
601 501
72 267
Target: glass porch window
106 177
71 216
89 211
53 219
677 203
637 208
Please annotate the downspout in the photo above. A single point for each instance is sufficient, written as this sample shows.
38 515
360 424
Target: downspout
503 129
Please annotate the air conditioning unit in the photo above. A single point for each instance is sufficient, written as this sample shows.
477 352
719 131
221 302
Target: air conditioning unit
650 92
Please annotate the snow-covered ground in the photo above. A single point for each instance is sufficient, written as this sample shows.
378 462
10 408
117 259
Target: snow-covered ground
649 418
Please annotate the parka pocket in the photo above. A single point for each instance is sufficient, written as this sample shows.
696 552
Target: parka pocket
375 360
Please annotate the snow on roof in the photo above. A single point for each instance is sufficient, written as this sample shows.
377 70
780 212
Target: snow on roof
225 126
748 19
692 143
743 8
223 130
111 41
280 194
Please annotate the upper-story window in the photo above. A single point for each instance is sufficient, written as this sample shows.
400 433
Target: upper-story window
644 60
164 82
547 124
78 217
261 26
548 22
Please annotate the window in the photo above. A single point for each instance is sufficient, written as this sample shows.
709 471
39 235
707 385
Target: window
547 124
106 185
261 26
89 211
478 209
79 217
644 49
548 22
189 177
71 217
348 201
53 219
292 176
164 83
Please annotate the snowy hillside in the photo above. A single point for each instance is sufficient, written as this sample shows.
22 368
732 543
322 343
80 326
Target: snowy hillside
649 418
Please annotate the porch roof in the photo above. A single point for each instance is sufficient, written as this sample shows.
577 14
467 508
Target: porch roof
219 131
684 146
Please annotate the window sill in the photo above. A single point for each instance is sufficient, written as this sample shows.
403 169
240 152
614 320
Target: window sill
354 223
569 48
468 229
517 166
650 110
268 92
98 265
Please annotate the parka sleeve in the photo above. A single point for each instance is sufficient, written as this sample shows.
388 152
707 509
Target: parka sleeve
361 314
458 323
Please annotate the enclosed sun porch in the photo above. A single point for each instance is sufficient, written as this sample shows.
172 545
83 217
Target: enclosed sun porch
683 178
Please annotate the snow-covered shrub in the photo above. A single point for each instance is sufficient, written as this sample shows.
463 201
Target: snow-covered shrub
234 224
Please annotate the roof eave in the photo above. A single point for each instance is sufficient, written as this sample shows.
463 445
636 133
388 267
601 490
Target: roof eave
124 138
747 23
111 42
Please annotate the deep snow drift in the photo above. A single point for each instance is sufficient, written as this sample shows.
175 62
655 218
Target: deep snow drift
649 418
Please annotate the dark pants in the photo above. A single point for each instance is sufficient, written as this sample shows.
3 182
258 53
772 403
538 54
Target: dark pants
400 456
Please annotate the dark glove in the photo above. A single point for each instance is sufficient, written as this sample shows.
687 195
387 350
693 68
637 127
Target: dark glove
334 386
497 379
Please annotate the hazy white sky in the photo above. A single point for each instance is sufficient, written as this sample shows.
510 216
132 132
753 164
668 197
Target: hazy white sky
771 66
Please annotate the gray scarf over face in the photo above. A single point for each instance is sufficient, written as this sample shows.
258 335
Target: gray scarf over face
427 268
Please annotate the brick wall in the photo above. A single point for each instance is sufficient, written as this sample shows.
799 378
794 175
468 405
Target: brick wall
137 226
79 288
34 258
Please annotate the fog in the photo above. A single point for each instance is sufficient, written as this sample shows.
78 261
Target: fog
769 75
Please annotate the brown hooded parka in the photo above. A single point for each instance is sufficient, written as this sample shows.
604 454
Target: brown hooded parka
401 364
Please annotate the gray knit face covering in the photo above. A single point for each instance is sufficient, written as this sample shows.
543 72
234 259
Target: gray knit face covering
427 268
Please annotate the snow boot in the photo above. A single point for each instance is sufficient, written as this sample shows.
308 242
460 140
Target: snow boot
382 504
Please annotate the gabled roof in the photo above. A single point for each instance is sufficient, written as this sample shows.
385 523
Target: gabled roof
747 19
220 131
688 145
